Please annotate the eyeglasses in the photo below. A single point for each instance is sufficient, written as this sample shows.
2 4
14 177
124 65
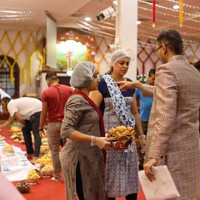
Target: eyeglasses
122 62
157 49
160 47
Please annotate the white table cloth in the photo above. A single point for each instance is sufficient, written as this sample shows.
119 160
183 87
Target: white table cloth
16 167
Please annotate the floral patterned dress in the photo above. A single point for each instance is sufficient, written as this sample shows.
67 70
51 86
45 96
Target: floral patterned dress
121 166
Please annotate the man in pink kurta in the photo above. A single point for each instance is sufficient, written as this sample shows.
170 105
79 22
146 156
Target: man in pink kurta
173 131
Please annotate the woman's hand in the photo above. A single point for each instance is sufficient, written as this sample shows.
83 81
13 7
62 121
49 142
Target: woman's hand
102 143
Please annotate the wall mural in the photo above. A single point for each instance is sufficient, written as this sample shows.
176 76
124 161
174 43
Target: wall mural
69 53
73 47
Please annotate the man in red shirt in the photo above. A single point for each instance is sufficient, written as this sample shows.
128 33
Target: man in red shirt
54 99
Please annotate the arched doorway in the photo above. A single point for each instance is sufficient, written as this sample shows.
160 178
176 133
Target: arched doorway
11 88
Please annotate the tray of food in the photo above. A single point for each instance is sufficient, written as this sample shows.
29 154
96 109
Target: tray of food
47 171
8 150
33 177
23 187
121 137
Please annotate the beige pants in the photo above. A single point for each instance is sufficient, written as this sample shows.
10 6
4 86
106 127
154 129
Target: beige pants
53 134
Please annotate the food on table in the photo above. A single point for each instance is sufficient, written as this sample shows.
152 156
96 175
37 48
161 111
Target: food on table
47 168
44 149
14 136
22 141
44 140
9 149
15 128
33 174
17 137
2 137
23 187
16 140
44 160
47 171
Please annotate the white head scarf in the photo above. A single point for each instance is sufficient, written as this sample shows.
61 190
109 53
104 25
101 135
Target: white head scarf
82 74
117 55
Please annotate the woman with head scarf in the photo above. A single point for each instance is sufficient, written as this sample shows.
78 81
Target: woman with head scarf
82 157
119 108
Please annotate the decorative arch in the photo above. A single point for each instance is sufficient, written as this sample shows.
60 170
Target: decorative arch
9 75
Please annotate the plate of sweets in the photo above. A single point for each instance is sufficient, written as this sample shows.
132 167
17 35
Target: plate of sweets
47 171
44 149
23 187
8 150
121 137
33 177
45 141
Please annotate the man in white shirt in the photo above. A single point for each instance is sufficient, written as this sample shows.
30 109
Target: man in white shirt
26 110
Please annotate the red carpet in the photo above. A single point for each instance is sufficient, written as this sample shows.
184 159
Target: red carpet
47 189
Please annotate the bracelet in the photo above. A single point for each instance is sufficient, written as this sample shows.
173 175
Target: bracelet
93 141
40 129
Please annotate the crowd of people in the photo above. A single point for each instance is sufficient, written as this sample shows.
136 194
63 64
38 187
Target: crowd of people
80 117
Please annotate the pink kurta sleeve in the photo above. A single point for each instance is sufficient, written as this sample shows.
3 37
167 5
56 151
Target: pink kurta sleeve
147 90
166 106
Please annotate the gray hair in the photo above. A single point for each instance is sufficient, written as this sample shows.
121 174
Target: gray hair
82 74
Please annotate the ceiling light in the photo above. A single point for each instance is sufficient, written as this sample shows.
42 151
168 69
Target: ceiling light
87 19
176 7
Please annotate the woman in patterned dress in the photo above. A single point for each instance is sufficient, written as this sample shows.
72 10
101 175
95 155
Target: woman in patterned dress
119 108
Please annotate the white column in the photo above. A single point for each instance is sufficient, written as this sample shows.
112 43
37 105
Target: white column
126 33
51 38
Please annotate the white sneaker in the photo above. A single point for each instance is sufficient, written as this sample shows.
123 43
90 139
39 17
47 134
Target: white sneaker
55 179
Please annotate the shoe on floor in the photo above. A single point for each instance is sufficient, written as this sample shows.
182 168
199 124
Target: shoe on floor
55 179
